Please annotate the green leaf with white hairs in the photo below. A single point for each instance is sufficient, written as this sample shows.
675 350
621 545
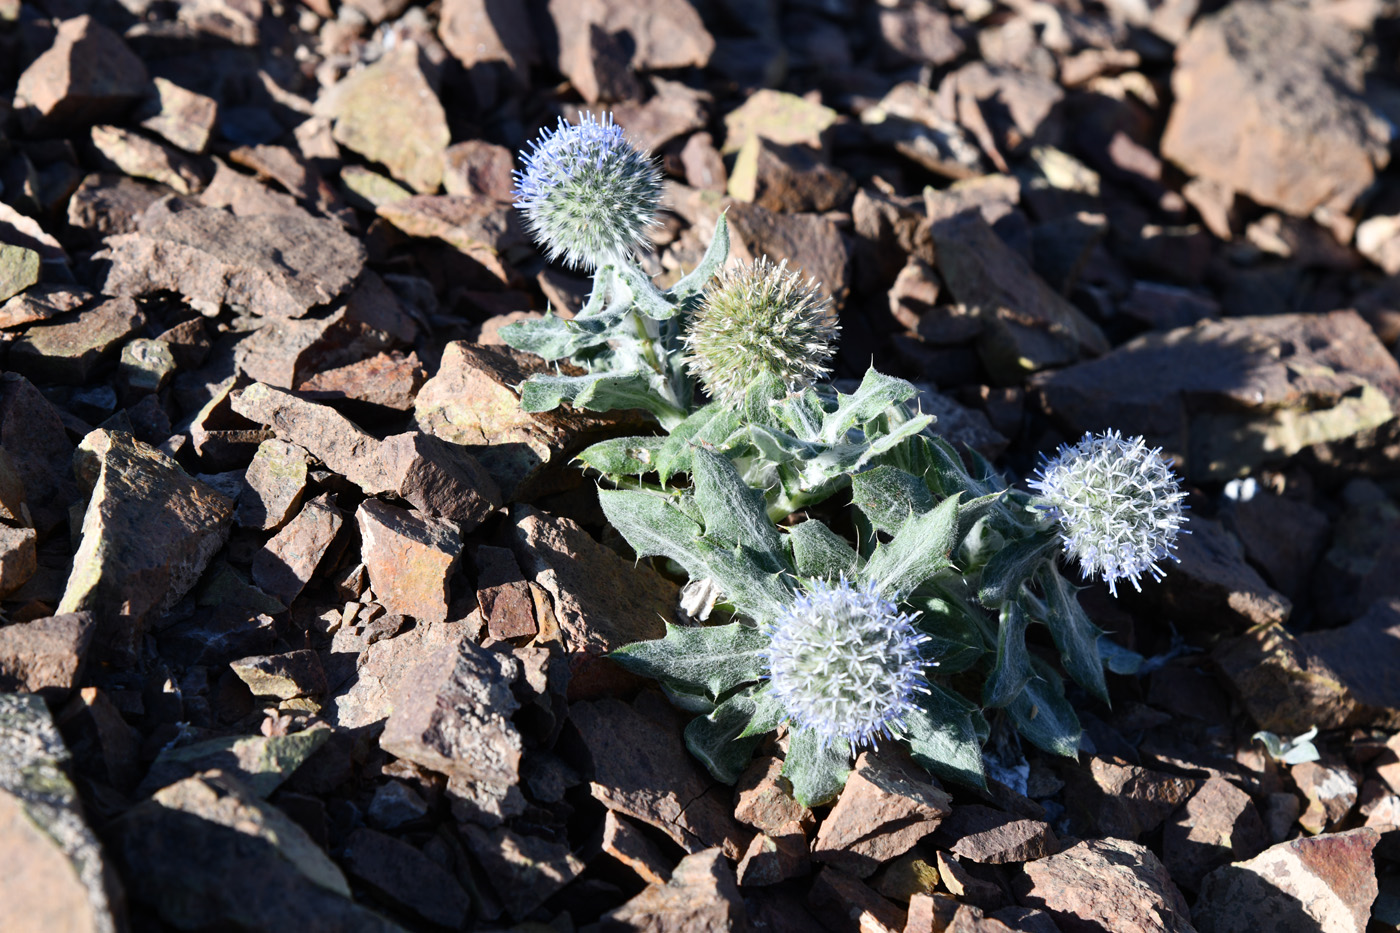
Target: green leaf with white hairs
920 550
1012 669
714 259
888 497
711 660
647 298
623 456
1075 634
723 740
655 527
599 392
956 640
1012 567
820 553
1043 715
875 395
761 595
817 774
554 338
1118 659
945 736
734 513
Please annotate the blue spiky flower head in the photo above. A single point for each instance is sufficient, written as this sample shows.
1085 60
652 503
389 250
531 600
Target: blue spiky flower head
843 661
760 319
1118 504
587 194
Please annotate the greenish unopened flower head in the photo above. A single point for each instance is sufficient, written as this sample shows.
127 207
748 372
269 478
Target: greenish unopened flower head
587 194
846 663
760 319
1118 504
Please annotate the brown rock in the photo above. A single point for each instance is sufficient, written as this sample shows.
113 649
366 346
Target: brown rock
41 302
931 913
294 172
148 532
883 811
278 265
45 656
107 204
1318 883
1119 799
1282 536
993 837
284 676
133 154
704 167
701 895
974 883
386 380
184 117
524 870
783 118
287 562
481 227
272 485
774 859
917 34
244 196
1268 103
331 437
410 559
476 167
440 479
1028 326
389 113
369 662
763 798
407 877
287 353
641 768
104 747
624 842
1284 689
478 32
18 557
910 120
847 904
472 401
1217 824
675 111
601 601
788 179
86 76
811 244
503 594
1360 655
33 436
70 351
260 762
1331 789
662 36
1105 884
596 62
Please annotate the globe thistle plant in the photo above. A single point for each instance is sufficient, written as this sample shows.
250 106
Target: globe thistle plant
1118 505
845 662
760 319
587 194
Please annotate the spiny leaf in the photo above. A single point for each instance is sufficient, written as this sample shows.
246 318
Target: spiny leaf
945 736
1013 566
723 740
1043 715
713 659
1075 635
817 774
821 553
655 527
714 259
1012 670
917 552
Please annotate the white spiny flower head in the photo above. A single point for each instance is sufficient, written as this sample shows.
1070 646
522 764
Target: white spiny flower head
758 319
1118 504
587 194
845 662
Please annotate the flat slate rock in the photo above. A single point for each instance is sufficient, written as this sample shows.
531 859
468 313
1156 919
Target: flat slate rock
280 265
1105 884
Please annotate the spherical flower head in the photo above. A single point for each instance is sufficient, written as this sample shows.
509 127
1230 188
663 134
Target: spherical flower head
760 319
1118 504
846 663
588 196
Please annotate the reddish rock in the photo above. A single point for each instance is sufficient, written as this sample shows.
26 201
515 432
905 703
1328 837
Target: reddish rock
641 768
1119 799
331 437
624 842
847 905
774 859
484 229
503 594
763 798
87 76
882 812
601 601
386 380
1283 688
479 32
438 478
973 883
993 837
701 895
45 656
704 167
1268 103
41 302
18 557
667 34
1217 824
524 870
1331 789
69 351
410 559
676 110
1312 883
1105 885
476 167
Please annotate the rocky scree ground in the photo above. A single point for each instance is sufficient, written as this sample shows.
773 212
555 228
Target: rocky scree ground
305 622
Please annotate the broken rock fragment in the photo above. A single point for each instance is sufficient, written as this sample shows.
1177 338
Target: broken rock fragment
68 351
701 895
882 812
287 562
1105 884
410 559
272 485
45 656
87 75
407 877
148 533
524 870
331 437
438 478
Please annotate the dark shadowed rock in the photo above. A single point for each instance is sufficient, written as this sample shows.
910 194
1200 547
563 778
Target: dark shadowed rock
1115 798
602 602
788 179
406 876
276 265
1217 824
18 557
675 111
701 895
641 768
367 664
284 676
1105 884
132 154
993 837
1318 883
207 852
475 166
54 877
261 763
45 656
283 566
147 535
811 244
107 204
774 859
87 76
481 227
882 812
33 436
1283 688
524 870
1363 656
479 32
1268 103
69 351
845 905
